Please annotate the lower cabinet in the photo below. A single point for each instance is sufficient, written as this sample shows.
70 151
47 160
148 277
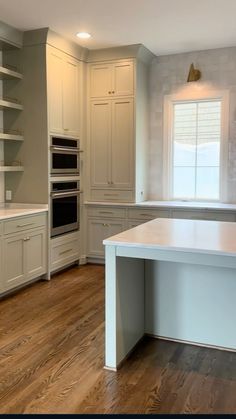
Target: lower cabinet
100 229
65 250
106 221
24 258
23 250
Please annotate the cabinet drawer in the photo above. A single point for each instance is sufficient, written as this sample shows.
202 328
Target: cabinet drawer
112 196
24 223
147 214
204 215
64 251
104 212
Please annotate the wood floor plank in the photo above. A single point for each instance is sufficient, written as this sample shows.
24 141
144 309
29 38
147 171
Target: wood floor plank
52 357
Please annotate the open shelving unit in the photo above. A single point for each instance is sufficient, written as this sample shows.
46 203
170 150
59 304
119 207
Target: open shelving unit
11 136
9 74
8 104
11 168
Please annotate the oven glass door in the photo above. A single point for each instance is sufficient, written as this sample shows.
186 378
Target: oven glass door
64 161
65 213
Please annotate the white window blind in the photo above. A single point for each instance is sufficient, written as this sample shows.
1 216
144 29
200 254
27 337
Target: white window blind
196 138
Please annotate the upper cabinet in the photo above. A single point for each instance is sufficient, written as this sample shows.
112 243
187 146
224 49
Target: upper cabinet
112 79
64 91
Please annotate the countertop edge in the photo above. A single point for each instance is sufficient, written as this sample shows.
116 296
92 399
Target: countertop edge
168 205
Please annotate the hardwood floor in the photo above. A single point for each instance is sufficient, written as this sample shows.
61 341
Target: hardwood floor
52 357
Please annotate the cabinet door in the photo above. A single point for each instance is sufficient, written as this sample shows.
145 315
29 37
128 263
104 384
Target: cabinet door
35 254
123 79
13 262
71 95
122 146
55 91
100 135
100 80
98 230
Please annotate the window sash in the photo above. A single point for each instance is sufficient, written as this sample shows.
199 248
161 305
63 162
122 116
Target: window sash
196 94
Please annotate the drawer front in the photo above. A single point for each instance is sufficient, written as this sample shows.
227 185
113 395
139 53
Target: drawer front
204 215
106 212
111 196
63 253
24 223
147 214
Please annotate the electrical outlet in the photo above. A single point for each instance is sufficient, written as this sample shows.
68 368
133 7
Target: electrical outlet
8 195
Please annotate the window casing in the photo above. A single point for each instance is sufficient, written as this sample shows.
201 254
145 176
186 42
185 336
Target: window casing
195 147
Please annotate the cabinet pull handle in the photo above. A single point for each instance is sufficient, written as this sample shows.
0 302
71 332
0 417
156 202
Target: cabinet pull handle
66 129
65 251
106 212
26 239
24 225
106 225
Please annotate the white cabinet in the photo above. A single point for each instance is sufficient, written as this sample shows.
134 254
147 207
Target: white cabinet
118 130
100 229
65 250
112 79
100 134
13 262
112 144
23 253
64 73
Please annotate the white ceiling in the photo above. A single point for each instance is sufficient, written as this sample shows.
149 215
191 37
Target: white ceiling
163 26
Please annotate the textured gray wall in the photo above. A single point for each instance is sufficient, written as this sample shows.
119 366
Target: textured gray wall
168 76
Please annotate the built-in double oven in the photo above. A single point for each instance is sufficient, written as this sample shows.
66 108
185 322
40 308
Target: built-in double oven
65 185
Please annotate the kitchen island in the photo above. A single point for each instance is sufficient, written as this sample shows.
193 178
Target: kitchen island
173 279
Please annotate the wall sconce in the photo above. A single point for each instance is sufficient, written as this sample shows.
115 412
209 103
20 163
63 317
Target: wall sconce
193 74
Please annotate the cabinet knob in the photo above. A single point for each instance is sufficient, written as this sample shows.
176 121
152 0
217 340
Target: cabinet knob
113 91
109 92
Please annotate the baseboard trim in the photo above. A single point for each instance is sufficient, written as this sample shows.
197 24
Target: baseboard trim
96 261
186 342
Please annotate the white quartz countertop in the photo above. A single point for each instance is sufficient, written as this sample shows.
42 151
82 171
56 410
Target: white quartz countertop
170 204
17 210
211 237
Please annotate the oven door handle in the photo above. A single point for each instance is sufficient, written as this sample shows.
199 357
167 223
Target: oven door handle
67 150
62 194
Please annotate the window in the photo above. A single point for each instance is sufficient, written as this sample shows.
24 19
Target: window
195 149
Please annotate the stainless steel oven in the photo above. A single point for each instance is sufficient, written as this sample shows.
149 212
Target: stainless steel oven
65 206
65 156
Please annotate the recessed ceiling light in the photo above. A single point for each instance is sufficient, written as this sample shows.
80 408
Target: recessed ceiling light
83 35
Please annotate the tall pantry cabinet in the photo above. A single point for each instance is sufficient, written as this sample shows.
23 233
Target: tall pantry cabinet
117 130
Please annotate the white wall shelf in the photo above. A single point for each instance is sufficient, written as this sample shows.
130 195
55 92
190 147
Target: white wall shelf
11 168
10 137
7 73
6 104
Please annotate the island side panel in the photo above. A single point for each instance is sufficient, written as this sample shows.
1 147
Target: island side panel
189 302
124 306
